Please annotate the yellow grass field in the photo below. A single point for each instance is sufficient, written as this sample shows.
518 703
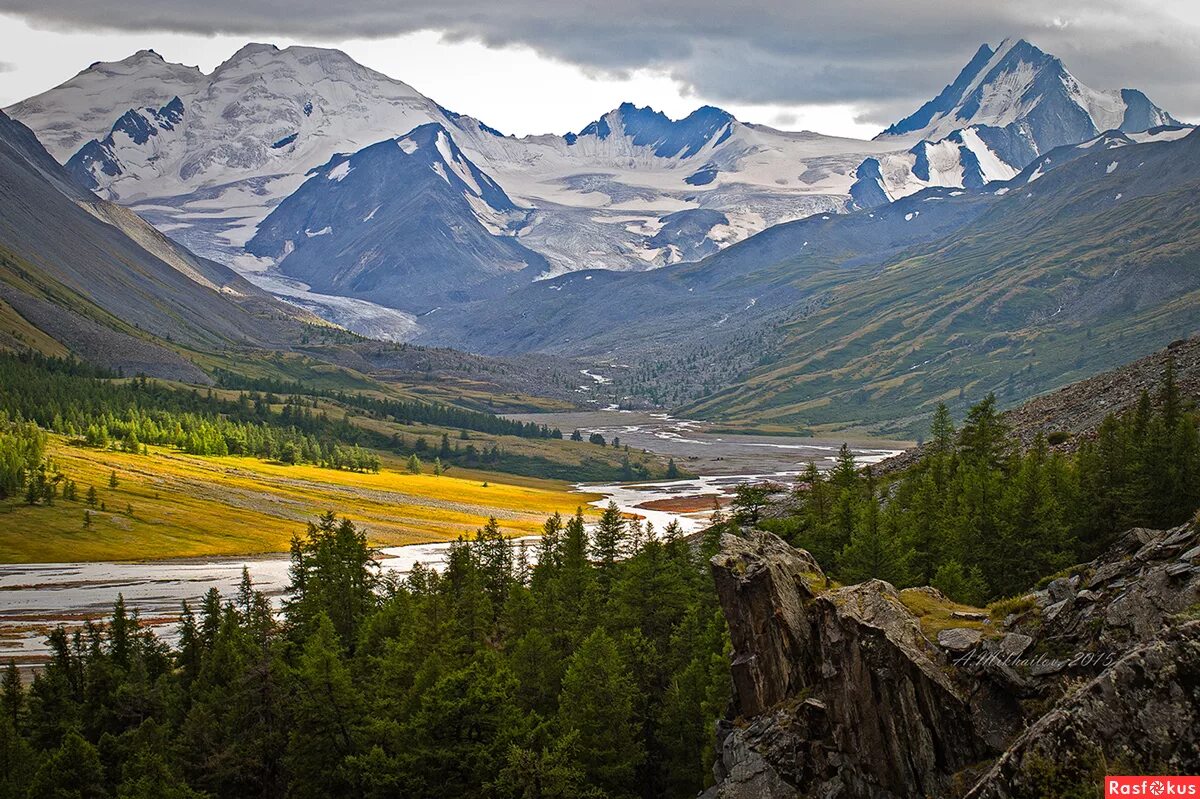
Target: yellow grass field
183 505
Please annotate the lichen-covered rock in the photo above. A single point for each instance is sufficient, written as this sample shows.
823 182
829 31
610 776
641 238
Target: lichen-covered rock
958 639
1142 713
1132 591
1013 645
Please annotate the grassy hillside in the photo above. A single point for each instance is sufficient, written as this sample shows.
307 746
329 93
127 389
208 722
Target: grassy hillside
1081 271
184 505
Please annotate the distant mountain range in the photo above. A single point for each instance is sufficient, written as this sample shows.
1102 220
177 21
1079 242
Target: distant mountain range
1081 260
84 278
208 158
1017 229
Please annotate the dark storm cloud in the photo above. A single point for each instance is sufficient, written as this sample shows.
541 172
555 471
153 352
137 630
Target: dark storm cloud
883 56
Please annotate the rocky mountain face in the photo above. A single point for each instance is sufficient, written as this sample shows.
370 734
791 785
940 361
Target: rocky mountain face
1079 409
866 691
341 231
1005 108
1074 413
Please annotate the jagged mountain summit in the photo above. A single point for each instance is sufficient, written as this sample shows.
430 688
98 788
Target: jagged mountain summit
1019 84
1006 107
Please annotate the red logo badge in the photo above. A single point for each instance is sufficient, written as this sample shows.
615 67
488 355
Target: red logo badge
1151 786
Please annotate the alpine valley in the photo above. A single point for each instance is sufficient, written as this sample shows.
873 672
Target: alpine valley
638 239
352 447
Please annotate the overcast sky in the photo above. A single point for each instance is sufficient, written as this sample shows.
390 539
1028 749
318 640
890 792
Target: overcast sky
537 66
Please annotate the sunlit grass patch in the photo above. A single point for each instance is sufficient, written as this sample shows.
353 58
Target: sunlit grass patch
169 504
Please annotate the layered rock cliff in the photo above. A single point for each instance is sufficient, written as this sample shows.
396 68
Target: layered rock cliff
866 691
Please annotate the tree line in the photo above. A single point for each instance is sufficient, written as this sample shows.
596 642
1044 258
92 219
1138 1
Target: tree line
67 397
404 412
980 518
592 665
132 414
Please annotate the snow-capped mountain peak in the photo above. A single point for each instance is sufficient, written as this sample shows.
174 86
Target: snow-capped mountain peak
410 221
85 107
213 153
1005 108
1017 82
626 192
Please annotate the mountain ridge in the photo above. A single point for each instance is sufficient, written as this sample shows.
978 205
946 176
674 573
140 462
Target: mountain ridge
109 287
817 298
251 129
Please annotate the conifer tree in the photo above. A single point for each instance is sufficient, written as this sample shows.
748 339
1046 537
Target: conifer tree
332 572
875 550
73 770
326 716
12 696
597 704
609 542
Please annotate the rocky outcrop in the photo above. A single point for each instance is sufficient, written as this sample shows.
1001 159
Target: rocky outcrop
1124 597
763 584
842 692
836 693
